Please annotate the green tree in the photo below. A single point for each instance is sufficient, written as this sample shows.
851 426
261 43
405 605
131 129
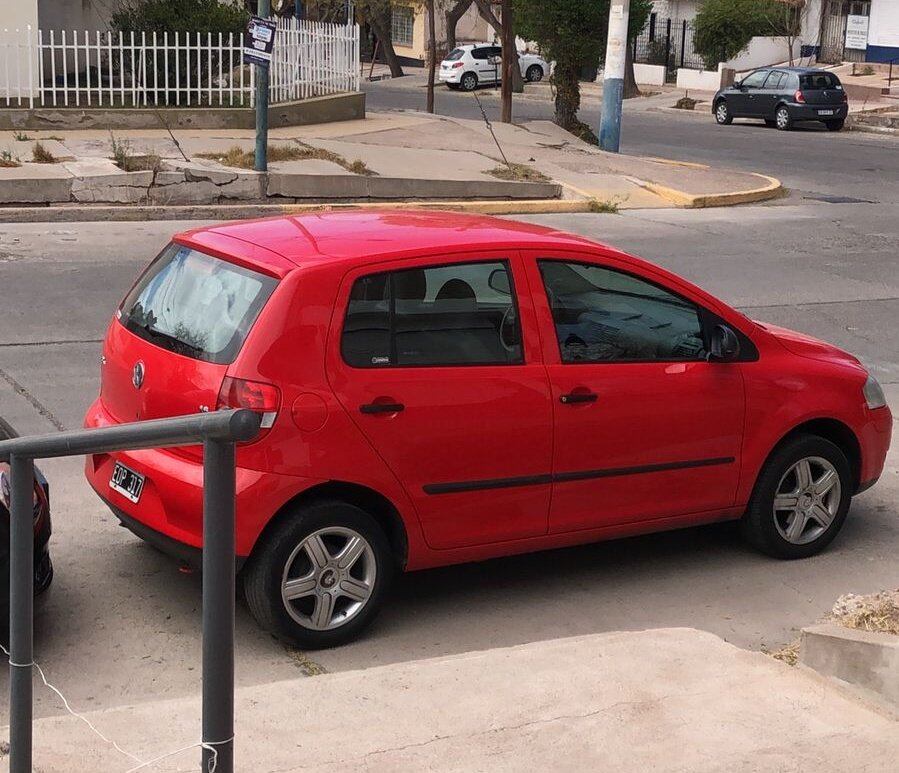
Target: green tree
723 28
572 33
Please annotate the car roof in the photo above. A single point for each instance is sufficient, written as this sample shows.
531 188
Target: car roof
798 70
360 237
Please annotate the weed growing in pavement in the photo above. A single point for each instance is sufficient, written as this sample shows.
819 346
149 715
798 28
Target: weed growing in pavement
7 161
21 136
126 160
518 173
40 155
604 206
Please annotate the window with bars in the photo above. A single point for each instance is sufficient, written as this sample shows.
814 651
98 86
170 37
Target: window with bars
402 23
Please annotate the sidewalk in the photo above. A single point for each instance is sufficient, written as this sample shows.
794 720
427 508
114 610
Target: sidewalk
403 157
661 700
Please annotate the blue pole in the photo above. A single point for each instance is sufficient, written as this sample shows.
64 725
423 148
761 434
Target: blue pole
298 10
613 77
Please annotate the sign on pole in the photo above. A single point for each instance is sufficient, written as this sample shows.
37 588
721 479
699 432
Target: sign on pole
259 41
857 32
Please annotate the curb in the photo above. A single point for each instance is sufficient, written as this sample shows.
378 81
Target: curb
867 659
884 131
125 213
772 190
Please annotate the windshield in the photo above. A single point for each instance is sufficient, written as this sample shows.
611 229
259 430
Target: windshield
455 54
196 305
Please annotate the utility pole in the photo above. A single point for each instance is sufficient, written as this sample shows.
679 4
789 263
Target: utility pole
298 10
613 76
261 164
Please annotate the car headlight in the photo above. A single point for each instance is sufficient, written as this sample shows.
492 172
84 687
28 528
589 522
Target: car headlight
873 392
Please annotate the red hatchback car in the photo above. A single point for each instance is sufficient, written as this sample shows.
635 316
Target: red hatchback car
439 388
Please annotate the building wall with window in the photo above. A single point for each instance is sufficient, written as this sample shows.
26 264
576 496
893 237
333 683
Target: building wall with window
409 31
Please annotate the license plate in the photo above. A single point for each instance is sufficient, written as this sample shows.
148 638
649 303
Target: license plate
127 482
825 112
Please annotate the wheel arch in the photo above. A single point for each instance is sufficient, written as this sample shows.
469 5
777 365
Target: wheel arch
838 433
465 74
372 502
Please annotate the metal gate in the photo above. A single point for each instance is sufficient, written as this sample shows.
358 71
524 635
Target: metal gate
833 30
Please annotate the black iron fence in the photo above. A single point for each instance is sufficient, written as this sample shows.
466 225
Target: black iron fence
669 42
218 432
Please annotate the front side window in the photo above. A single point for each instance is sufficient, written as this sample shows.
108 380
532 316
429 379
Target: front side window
602 315
196 305
461 314
402 25
755 80
775 80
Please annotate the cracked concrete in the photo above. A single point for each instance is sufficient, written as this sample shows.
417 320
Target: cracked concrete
664 699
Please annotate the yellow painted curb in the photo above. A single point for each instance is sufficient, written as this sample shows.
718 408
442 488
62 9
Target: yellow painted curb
523 207
772 190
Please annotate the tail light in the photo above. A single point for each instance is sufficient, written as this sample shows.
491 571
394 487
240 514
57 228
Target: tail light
457 65
844 97
799 97
254 395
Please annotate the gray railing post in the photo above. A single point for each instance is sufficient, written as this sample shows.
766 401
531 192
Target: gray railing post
218 605
21 601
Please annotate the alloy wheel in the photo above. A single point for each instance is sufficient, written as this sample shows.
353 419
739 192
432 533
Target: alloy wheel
328 578
783 118
807 500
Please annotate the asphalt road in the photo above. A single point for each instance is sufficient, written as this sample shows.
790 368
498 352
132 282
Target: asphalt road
121 622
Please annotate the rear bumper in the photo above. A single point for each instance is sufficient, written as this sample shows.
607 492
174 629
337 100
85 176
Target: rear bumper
170 511
450 76
807 112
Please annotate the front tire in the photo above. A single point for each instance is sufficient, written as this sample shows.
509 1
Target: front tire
800 500
320 576
534 73
782 119
835 126
722 113
468 82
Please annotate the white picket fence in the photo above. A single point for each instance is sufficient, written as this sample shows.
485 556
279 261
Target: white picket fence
147 69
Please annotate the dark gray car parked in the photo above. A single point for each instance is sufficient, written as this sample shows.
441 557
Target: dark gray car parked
784 95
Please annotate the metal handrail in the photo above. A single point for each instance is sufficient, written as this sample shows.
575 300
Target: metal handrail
890 74
218 432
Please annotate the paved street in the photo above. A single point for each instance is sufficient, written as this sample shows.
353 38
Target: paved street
121 622
809 160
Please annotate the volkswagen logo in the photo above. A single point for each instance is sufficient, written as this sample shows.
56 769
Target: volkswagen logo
137 375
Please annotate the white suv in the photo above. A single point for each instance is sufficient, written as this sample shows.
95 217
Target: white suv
469 66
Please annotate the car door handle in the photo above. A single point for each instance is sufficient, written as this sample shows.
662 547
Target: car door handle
578 397
372 408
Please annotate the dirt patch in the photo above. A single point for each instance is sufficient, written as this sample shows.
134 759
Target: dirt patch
686 103
878 612
246 159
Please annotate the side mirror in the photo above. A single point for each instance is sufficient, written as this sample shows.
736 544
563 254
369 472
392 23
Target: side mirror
725 346
738 84
499 281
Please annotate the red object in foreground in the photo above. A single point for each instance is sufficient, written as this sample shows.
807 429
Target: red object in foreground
439 388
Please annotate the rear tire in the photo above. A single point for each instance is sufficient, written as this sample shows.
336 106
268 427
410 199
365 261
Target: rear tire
835 126
304 554
769 519
782 119
468 82
722 113
534 73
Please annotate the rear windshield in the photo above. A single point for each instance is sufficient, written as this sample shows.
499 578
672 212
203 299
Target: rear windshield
456 53
818 81
196 305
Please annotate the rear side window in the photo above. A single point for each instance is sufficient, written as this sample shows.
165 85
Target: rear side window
196 305
461 314
817 81
775 80
455 55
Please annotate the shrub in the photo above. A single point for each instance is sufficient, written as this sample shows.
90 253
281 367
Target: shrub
723 28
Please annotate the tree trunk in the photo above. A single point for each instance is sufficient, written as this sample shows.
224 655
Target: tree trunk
630 82
452 21
568 95
487 13
510 61
382 33
432 52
